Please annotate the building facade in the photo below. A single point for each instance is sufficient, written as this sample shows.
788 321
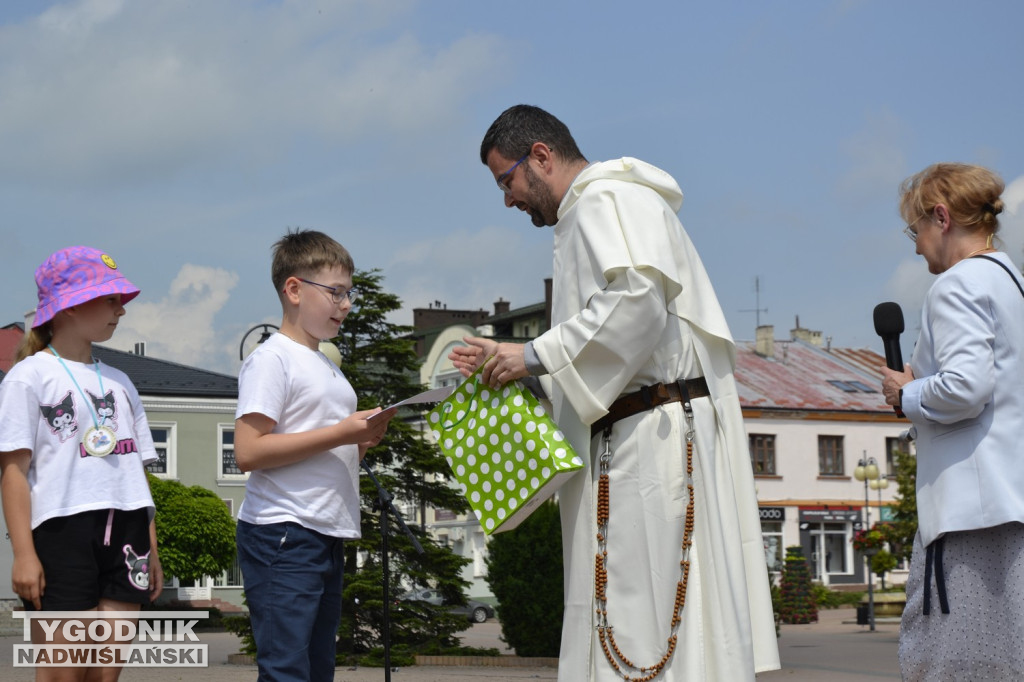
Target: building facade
812 413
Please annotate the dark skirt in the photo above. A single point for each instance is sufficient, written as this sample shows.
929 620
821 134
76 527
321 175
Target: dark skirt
982 635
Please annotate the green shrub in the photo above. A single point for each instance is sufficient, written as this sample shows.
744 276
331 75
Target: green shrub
524 571
242 626
214 621
826 598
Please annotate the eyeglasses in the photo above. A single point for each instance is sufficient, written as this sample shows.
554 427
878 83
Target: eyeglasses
909 229
508 174
338 295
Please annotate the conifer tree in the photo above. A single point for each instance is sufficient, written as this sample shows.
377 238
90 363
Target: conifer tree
797 599
383 369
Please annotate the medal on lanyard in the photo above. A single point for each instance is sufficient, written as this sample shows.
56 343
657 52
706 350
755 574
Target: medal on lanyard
99 440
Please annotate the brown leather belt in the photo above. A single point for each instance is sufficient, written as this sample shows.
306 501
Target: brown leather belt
647 398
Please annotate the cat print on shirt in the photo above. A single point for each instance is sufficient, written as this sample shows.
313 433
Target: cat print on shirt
61 417
106 409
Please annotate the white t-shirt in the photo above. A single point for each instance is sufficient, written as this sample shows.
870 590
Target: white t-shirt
42 410
301 390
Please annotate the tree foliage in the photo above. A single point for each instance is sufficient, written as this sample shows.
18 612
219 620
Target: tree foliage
882 563
194 530
383 369
873 543
524 570
903 527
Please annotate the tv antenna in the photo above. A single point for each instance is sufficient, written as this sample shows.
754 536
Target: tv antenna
757 293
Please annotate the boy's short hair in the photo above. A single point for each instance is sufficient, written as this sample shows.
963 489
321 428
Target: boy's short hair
304 252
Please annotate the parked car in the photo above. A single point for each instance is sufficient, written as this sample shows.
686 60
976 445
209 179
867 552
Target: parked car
476 611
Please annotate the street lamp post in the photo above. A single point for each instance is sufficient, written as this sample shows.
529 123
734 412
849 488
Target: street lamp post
879 484
867 471
266 330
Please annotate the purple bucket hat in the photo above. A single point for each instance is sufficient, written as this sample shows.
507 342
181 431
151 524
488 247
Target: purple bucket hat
74 276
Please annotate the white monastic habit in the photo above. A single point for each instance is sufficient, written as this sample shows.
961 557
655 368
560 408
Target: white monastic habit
633 306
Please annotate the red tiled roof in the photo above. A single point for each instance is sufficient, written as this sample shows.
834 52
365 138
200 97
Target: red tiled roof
797 376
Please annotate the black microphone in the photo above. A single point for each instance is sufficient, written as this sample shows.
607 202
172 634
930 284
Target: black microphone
889 325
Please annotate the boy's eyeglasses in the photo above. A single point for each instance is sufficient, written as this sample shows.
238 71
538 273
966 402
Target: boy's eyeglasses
338 295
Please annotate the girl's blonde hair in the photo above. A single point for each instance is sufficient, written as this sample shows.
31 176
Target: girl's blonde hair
33 341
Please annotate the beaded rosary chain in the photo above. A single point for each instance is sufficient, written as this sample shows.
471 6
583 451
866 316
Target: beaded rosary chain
605 631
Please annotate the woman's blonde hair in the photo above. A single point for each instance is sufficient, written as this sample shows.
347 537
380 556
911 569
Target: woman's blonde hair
34 340
970 193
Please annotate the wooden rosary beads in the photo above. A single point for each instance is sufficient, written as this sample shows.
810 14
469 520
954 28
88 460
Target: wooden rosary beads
632 672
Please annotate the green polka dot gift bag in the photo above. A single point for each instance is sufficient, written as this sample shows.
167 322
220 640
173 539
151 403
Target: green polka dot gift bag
504 450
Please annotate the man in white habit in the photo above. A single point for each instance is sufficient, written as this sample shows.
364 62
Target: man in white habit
665 573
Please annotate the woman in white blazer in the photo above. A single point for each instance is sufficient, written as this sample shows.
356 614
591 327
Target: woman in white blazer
963 390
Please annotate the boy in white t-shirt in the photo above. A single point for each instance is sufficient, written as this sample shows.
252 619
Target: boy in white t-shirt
298 432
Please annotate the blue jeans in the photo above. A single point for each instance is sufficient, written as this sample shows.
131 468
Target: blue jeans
293 579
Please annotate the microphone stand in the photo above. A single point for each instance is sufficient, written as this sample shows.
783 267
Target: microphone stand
384 505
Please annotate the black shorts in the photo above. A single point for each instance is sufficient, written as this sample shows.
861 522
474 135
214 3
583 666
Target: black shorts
102 554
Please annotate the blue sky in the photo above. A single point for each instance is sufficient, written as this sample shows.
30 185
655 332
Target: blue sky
185 138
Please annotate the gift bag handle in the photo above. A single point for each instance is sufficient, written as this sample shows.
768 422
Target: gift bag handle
471 407
447 409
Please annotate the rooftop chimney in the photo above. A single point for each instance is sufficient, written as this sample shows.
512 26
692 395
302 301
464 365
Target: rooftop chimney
806 335
764 343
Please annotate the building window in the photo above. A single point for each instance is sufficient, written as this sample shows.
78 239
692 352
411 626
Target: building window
447 379
830 455
862 387
226 453
771 533
444 515
894 446
843 386
479 555
229 578
830 550
762 453
164 440
848 386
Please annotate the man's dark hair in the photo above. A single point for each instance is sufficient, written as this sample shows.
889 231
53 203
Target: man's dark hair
518 127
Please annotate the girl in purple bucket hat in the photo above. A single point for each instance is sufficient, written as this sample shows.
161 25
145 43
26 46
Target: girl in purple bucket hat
73 443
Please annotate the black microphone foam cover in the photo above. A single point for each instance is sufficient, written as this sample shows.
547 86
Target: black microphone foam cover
888 319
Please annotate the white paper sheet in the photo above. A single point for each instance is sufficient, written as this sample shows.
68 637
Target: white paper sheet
434 395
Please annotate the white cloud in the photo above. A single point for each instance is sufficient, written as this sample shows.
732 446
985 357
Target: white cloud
103 89
1013 196
1011 230
181 325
